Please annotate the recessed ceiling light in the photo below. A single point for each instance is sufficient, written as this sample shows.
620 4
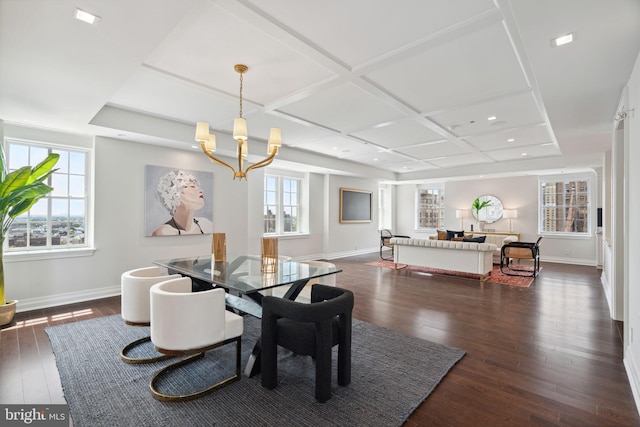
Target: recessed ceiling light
511 139
375 160
491 118
559 41
87 17
523 154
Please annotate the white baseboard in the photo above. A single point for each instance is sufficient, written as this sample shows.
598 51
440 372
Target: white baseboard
606 287
574 261
633 374
67 298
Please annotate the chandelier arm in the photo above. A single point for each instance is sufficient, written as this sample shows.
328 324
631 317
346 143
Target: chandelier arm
262 163
214 159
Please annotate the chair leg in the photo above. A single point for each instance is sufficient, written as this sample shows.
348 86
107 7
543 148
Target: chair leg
323 375
190 396
135 360
344 353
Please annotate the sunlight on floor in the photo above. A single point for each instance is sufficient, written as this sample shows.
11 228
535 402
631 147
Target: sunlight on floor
47 319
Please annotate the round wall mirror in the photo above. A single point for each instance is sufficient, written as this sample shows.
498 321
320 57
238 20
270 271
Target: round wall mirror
491 210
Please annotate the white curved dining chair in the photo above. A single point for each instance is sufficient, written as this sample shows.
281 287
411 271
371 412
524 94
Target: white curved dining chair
190 323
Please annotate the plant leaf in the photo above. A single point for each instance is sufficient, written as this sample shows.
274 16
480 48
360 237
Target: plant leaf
43 169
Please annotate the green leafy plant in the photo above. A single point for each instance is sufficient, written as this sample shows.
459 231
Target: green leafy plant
19 191
478 205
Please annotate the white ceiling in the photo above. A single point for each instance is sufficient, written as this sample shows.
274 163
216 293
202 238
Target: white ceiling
405 87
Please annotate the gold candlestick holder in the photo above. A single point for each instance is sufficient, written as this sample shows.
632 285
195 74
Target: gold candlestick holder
269 255
219 246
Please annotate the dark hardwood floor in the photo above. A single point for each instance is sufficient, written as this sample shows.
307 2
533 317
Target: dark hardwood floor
547 355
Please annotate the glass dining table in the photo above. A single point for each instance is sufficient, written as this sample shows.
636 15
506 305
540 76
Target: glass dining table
245 282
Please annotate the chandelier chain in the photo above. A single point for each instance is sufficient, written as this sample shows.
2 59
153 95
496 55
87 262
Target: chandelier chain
241 75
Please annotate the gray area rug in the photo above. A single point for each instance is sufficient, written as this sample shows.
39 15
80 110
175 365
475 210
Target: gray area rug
391 375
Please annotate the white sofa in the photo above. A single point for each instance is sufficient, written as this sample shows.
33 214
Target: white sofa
498 239
468 257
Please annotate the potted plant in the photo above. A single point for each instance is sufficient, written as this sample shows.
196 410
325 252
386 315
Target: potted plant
19 191
477 206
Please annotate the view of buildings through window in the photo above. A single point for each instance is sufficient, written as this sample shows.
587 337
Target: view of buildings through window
59 219
565 206
430 207
281 205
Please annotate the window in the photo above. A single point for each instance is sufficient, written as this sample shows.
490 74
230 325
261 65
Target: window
282 201
384 207
564 206
430 202
58 220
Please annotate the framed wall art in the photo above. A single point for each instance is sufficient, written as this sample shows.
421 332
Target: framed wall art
177 201
355 205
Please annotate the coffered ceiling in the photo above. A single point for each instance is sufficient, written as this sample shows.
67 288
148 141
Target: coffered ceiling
402 90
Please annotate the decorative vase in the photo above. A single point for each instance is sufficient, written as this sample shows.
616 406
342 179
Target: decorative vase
7 312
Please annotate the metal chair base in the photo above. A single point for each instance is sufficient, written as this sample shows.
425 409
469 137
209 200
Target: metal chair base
505 268
200 354
137 360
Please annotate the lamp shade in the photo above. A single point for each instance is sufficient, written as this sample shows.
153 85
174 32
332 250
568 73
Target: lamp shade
462 213
510 213
202 131
275 137
240 129
210 144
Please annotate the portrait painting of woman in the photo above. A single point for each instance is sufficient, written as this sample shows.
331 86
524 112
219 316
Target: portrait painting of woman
185 205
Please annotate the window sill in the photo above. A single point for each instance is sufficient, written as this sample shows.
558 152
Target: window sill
567 236
47 254
288 236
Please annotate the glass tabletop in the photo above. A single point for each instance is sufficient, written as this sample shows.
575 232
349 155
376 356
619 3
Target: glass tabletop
243 272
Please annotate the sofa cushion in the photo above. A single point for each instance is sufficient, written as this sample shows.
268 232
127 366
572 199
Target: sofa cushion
442 235
480 239
451 234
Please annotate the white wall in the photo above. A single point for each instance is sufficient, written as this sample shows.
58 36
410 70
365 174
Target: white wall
632 303
519 193
345 239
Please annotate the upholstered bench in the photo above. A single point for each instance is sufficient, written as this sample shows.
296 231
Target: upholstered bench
468 257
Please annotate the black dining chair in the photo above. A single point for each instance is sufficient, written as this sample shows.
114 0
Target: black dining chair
309 329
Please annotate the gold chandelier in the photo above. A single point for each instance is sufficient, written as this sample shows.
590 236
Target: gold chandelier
208 141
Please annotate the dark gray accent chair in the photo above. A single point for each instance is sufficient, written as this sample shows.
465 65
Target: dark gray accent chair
311 330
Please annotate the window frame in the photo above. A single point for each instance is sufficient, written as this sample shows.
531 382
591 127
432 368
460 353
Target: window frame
385 208
441 210
586 211
50 251
280 205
